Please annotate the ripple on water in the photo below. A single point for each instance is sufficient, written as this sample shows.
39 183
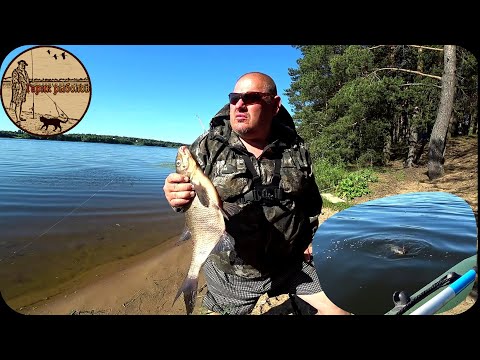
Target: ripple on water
365 253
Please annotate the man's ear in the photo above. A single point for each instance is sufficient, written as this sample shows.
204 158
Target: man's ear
277 102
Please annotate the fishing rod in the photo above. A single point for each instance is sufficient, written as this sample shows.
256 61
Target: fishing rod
444 296
57 107
201 123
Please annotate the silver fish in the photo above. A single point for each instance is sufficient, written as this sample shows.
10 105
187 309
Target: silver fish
204 224
398 250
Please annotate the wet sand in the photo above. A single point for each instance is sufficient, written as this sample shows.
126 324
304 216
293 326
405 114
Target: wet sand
146 284
38 277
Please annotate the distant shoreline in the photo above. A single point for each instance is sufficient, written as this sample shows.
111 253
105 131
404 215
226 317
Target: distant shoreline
109 139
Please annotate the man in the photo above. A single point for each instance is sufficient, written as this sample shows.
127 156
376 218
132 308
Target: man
20 81
256 160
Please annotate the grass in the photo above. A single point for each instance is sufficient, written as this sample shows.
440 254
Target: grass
336 206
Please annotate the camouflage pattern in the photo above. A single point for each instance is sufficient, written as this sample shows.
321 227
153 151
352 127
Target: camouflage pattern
266 237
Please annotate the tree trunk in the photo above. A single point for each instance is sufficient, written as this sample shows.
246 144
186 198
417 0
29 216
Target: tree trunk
439 133
419 150
455 127
387 150
412 145
474 124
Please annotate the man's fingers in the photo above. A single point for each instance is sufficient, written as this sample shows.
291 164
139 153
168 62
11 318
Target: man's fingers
181 198
178 189
176 178
187 195
181 187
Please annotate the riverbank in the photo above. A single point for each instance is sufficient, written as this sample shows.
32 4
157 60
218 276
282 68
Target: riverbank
144 286
149 283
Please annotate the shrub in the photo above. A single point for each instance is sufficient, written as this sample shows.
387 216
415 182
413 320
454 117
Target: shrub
355 184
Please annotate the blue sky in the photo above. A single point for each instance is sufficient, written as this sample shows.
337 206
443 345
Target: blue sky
157 91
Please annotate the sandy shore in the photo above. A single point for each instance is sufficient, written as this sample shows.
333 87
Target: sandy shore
147 286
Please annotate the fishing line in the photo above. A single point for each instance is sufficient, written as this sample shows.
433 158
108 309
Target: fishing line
201 123
57 107
58 222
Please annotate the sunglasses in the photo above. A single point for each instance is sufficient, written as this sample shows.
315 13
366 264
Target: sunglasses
252 97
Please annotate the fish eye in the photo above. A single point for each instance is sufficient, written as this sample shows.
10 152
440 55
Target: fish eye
178 163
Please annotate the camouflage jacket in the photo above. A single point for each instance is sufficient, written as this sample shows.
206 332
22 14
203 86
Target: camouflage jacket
267 235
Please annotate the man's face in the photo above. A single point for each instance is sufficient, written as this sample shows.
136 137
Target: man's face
252 120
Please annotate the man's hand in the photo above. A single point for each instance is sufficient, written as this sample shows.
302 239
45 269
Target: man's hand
308 253
178 190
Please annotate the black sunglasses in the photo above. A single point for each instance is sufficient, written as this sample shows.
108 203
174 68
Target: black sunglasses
252 97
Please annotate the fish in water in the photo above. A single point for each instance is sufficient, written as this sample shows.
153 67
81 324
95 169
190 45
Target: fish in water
400 250
204 224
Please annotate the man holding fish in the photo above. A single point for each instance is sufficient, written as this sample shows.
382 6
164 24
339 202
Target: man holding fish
253 234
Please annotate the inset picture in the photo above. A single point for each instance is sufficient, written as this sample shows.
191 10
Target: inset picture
46 91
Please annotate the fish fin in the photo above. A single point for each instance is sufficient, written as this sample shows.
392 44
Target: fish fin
202 195
189 290
186 235
226 243
225 215
230 209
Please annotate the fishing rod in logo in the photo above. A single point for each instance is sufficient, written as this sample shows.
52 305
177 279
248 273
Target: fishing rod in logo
45 91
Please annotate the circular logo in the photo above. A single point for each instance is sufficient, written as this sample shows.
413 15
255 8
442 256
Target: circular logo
45 91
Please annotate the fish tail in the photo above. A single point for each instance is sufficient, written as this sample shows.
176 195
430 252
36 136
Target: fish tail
189 289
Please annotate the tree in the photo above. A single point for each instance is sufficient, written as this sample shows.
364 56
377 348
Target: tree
374 104
438 137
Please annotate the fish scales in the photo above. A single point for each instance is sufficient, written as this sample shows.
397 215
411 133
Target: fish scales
207 227
204 224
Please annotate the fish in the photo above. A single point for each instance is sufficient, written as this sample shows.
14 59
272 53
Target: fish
204 224
398 250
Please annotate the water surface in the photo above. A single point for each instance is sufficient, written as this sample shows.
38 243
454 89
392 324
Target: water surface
398 243
67 207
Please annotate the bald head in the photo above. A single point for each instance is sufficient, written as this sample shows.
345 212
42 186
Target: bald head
265 82
251 118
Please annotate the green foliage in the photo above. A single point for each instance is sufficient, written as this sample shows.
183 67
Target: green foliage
369 158
335 206
336 178
356 184
353 105
91 138
355 122
354 62
328 175
466 98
